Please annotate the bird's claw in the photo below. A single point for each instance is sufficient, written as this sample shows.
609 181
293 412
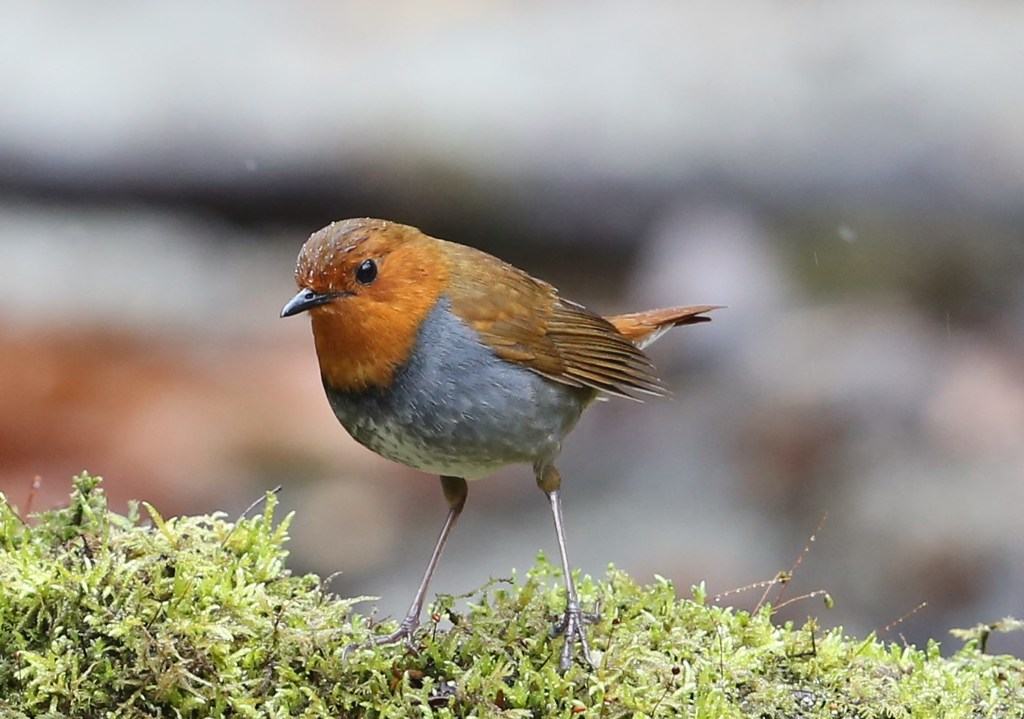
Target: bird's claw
572 626
404 633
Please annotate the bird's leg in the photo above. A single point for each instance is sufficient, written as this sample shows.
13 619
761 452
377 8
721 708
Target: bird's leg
455 491
574 620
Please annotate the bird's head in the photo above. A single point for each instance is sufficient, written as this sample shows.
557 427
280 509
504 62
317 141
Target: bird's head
367 285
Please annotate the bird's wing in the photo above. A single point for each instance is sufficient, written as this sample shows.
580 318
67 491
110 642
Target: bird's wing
597 355
523 320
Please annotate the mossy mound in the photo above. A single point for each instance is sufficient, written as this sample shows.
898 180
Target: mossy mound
103 616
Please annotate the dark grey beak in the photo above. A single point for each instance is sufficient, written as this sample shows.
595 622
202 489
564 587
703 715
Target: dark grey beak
307 300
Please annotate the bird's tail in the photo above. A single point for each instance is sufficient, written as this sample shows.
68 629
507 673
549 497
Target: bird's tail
642 328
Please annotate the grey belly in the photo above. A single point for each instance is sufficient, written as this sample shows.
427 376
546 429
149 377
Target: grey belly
456 409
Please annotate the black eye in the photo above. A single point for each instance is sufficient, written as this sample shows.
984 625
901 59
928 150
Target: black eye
366 272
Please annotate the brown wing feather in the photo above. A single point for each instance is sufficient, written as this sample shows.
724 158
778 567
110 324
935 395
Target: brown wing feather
598 355
525 321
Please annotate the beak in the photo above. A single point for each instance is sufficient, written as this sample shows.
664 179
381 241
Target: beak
307 300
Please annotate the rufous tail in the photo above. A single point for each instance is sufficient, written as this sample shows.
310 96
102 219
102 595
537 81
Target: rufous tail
642 328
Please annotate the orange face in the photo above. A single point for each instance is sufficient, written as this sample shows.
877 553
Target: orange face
372 283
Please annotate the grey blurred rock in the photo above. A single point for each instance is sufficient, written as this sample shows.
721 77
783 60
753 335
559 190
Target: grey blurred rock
915 104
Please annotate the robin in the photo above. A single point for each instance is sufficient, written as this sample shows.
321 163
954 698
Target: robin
448 360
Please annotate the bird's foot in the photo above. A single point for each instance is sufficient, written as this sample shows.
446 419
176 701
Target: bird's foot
405 630
572 626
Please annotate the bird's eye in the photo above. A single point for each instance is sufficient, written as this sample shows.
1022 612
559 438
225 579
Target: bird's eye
366 273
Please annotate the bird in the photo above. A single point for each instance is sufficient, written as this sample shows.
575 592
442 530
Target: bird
446 359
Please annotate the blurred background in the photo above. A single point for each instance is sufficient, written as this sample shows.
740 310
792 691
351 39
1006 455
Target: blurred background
847 177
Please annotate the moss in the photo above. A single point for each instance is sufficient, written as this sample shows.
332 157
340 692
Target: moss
104 615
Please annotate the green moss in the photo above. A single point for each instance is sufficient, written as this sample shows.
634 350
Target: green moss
101 615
